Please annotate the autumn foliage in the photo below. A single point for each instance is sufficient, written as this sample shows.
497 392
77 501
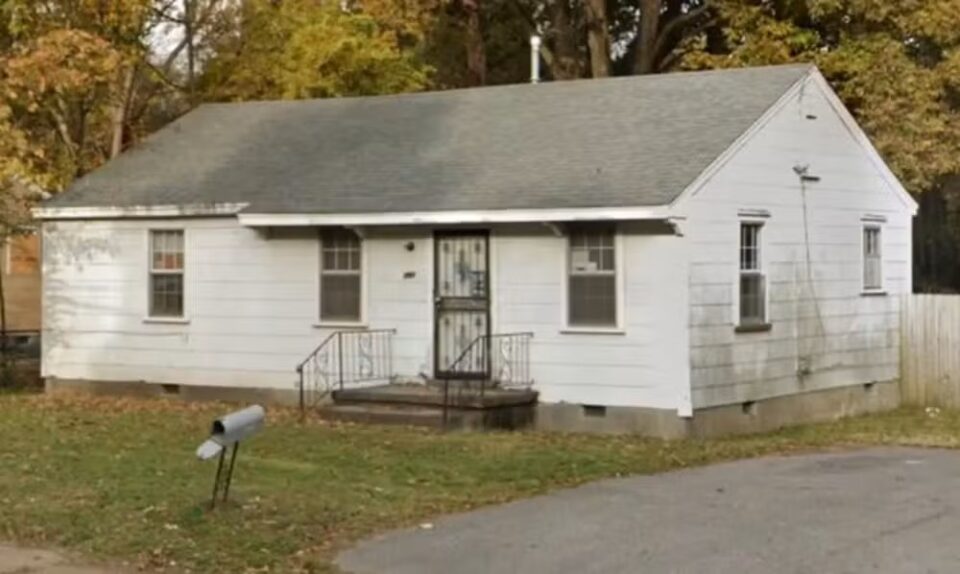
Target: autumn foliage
83 80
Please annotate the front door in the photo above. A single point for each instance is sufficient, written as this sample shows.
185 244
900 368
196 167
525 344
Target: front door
462 298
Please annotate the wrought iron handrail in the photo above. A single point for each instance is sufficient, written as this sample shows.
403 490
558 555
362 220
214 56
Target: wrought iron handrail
468 350
316 350
346 358
510 366
503 360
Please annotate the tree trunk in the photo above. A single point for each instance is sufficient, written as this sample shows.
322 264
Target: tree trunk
566 64
6 375
120 112
646 47
189 13
476 51
598 38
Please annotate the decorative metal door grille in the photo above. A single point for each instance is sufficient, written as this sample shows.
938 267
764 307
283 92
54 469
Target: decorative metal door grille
462 297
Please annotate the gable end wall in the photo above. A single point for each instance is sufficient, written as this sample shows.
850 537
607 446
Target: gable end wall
821 321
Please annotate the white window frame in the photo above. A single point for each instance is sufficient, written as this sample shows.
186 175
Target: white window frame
764 323
881 287
361 323
149 316
619 275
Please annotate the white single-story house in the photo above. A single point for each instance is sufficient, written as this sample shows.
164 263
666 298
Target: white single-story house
685 253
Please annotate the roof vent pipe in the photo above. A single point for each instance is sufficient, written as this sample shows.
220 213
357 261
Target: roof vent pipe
534 59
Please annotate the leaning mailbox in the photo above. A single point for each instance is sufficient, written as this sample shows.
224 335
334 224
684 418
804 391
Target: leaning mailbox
226 435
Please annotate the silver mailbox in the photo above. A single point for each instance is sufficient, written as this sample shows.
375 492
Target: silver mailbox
231 429
226 434
238 425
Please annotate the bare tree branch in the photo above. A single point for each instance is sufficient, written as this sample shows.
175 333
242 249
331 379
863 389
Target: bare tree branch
63 130
677 25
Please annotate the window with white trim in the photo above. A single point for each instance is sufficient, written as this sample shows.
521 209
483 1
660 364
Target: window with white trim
753 281
592 286
340 276
872 258
166 273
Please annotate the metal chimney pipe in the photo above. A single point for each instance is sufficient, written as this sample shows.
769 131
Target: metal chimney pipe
534 59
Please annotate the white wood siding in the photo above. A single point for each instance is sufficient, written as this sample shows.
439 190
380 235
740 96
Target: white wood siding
251 302
643 366
842 336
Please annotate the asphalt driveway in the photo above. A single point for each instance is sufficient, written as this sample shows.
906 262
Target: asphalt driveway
878 510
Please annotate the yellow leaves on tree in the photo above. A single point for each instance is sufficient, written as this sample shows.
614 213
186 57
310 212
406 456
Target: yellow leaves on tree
340 55
408 22
66 62
896 65
18 190
59 86
120 21
301 49
903 107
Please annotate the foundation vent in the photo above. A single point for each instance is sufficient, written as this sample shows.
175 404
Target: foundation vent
594 411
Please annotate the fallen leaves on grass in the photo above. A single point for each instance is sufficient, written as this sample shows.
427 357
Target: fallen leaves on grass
117 477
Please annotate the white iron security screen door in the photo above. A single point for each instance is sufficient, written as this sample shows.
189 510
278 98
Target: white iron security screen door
462 298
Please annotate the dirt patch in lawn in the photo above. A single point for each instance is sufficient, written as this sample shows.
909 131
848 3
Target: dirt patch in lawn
16 560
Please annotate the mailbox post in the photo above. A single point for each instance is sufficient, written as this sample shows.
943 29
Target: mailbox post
226 434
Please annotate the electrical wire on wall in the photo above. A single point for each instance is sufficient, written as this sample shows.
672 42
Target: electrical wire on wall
802 172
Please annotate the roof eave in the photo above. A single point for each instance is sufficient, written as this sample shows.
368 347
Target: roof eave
707 174
661 212
138 211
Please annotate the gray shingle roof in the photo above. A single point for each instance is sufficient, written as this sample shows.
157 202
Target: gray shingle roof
634 141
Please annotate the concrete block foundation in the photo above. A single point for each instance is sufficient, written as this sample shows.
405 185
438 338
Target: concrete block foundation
185 392
753 417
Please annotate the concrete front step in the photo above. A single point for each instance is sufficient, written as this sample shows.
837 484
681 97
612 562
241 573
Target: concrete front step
370 413
513 417
423 405
504 418
459 396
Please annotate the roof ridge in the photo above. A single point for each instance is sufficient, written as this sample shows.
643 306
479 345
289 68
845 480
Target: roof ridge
625 141
576 82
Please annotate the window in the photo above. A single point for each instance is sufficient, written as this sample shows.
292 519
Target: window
753 297
592 291
340 276
166 273
872 259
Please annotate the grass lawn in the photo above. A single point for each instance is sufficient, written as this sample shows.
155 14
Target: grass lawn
116 479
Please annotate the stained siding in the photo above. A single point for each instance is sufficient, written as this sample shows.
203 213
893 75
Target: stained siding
251 301
820 319
252 304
